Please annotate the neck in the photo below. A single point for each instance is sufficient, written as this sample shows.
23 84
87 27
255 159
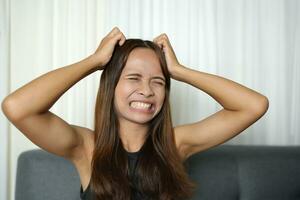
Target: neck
133 135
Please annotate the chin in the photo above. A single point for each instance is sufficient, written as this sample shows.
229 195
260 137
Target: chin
141 120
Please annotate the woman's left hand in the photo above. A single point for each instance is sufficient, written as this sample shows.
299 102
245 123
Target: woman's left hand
172 63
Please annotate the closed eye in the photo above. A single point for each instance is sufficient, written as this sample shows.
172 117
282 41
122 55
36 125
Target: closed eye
133 78
159 83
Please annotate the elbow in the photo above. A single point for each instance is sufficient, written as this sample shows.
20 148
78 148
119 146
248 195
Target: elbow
261 106
5 106
8 109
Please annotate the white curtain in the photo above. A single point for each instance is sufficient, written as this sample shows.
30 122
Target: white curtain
4 87
255 43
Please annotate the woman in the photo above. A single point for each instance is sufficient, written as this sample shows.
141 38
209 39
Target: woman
133 152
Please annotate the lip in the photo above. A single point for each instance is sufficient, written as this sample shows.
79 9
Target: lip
152 108
143 101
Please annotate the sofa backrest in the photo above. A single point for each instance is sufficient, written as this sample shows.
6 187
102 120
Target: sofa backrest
45 176
226 172
229 172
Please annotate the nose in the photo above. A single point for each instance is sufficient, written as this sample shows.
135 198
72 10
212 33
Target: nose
146 90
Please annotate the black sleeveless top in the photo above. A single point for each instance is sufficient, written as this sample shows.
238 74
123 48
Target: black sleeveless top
132 159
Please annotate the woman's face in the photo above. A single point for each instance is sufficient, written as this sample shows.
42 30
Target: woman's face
140 92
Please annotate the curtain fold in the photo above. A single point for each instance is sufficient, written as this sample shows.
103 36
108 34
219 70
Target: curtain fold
4 89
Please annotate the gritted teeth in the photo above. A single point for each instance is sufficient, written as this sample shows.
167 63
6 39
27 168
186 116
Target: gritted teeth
136 104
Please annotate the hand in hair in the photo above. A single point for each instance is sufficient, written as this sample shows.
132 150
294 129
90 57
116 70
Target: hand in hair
107 45
163 42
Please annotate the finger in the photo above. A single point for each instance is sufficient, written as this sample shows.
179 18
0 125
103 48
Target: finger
156 38
163 35
165 40
114 32
160 43
120 38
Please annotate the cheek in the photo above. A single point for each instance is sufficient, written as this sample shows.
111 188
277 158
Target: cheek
161 94
122 93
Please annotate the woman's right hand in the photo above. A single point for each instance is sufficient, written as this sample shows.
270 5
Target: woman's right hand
105 50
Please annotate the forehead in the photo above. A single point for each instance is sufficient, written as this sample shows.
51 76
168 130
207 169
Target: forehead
143 61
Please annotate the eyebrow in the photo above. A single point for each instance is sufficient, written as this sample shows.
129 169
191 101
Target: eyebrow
139 75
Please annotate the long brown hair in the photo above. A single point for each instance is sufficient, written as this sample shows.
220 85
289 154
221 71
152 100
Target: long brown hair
160 170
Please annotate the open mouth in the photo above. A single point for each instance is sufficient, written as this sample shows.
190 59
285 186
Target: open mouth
141 105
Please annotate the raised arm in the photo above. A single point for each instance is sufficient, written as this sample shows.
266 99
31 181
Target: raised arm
242 106
28 107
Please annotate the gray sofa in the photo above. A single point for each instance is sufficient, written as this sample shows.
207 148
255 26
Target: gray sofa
226 172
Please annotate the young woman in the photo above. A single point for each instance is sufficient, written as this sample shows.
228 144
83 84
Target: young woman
133 152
